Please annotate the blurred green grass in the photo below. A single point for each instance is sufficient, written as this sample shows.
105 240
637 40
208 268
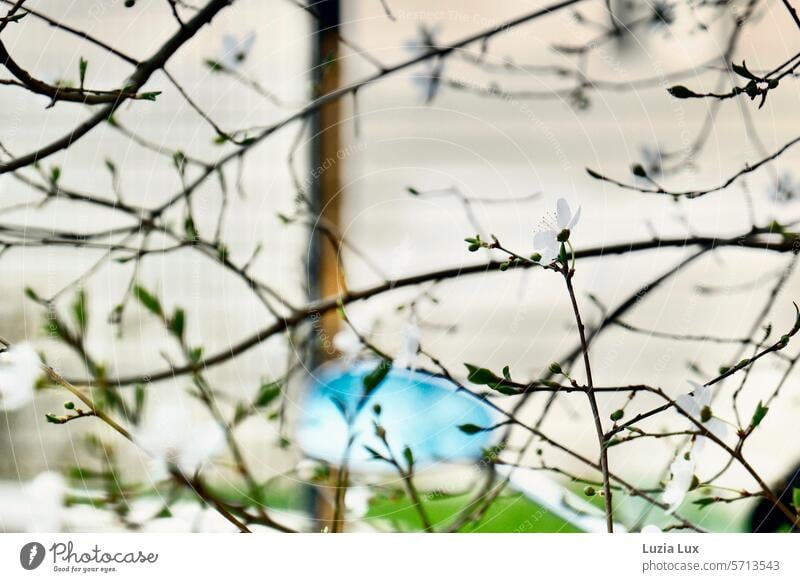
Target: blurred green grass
512 513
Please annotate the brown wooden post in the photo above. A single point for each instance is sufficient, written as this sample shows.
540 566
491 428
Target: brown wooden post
326 164
325 276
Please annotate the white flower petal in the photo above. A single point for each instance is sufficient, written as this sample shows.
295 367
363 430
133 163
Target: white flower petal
651 529
19 369
682 471
546 243
574 221
698 446
702 395
689 405
357 501
541 240
200 444
306 469
563 214
45 498
411 340
229 43
716 427
248 42
170 436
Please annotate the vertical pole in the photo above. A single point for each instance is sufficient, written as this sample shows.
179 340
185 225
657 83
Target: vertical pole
324 273
325 277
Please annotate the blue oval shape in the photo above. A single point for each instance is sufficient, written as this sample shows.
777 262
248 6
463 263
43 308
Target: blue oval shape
418 410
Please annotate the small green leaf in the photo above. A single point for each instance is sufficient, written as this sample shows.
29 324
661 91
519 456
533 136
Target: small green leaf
704 501
16 17
481 376
681 92
215 66
470 428
189 229
80 312
164 513
376 376
196 354
31 294
759 414
139 395
408 454
222 252
82 66
55 175
796 498
179 159
149 96
743 71
150 302
562 253
177 324
266 394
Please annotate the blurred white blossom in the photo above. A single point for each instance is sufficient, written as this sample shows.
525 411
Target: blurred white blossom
306 469
347 341
356 501
427 82
20 367
651 529
173 439
785 188
411 339
235 50
45 496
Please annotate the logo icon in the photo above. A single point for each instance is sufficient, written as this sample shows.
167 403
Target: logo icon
31 555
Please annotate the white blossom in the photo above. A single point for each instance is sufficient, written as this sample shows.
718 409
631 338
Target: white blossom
19 369
426 83
682 475
697 404
306 469
356 501
173 439
785 188
235 50
651 529
45 495
347 342
411 339
546 241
